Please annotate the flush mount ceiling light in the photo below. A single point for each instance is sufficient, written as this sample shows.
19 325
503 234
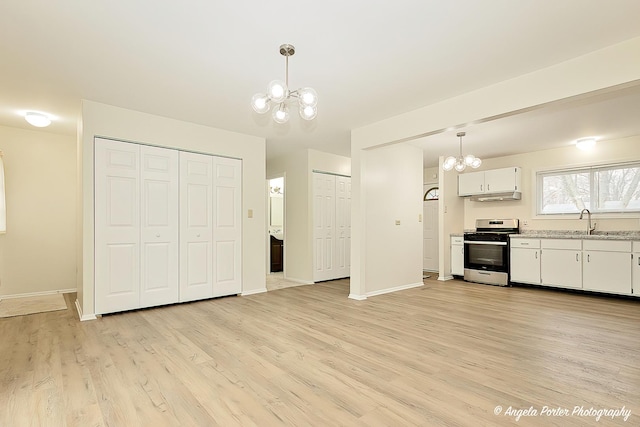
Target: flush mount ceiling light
586 143
278 93
37 119
461 162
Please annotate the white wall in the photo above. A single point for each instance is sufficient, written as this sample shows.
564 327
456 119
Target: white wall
297 167
451 216
127 125
38 253
627 149
393 193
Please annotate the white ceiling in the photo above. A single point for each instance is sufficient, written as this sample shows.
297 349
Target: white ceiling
201 61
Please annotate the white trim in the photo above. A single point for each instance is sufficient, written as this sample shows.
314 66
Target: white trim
35 294
253 292
397 288
84 317
304 282
445 278
357 297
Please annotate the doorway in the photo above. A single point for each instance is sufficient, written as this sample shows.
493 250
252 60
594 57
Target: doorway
276 229
430 228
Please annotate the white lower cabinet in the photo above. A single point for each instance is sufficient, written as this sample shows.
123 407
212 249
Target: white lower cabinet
599 265
167 226
525 261
457 256
635 270
607 266
561 263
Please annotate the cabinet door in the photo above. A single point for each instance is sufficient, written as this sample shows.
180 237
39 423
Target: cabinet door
500 180
196 228
457 260
343 227
324 211
117 226
470 183
525 265
227 227
158 226
607 271
561 268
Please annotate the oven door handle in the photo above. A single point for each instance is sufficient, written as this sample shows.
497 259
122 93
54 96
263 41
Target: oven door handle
485 243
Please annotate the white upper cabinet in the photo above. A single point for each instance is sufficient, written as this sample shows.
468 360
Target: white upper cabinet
493 181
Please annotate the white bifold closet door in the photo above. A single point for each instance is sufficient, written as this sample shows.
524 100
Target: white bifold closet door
331 226
136 226
210 229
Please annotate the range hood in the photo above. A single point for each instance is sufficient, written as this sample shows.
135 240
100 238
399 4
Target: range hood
497 197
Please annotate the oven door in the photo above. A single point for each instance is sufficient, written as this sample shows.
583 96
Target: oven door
486 255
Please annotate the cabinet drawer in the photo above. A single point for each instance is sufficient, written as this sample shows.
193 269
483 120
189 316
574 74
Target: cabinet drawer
607 245
525 243
457 240
569 244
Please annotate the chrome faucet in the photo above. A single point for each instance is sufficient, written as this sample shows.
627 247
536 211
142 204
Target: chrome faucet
589 229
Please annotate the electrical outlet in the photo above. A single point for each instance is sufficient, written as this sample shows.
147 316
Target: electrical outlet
525 222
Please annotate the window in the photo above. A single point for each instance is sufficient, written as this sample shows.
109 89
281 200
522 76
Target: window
603 189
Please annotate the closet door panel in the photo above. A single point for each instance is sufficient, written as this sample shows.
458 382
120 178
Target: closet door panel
324 229
159 226
196 226
227 230
117 226
343 227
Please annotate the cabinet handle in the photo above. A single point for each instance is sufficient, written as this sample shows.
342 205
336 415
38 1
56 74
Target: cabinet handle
487 187
536 254
588 257
481 187
157 235
576 257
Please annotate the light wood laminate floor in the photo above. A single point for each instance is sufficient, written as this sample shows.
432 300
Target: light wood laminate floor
445 354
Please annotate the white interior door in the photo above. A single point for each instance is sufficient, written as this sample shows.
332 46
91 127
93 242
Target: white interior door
158 226
343 227
430 234
227 230
324 210
196 226
117 226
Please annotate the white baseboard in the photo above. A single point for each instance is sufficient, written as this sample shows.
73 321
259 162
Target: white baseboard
396 289
36 294
84 317
445 278
304 282
357 297
253 292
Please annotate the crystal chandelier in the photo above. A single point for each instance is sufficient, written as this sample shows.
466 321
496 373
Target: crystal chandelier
278 93
461 162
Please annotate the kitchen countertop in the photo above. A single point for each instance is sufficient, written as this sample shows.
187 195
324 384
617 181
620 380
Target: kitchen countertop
572 234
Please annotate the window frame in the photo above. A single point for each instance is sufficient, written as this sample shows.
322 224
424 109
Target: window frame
593 190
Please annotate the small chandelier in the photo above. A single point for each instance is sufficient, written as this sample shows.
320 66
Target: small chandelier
279 94
460 163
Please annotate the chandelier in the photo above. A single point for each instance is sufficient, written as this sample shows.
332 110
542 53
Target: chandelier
279 95
461 162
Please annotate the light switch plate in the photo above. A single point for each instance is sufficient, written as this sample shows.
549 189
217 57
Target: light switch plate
397 222
250 213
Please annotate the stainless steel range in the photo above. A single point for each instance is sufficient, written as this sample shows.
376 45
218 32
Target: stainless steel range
486 251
